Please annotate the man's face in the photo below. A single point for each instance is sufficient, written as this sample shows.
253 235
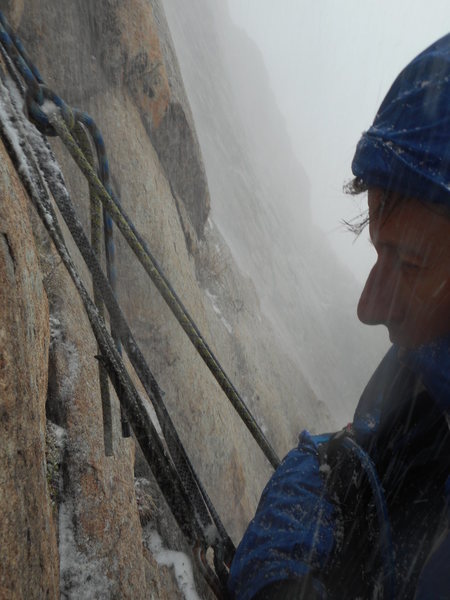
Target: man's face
408 289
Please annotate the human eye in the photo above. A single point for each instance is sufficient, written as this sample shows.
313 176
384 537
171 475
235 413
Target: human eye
409 265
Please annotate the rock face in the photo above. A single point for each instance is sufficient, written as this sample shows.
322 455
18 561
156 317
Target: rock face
28 546
78 523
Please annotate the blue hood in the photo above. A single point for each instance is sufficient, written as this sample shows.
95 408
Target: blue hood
407 148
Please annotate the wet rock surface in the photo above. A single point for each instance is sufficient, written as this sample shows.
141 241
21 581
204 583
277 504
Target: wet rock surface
116 61
28 545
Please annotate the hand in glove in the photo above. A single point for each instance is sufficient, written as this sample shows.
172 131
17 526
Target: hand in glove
292 536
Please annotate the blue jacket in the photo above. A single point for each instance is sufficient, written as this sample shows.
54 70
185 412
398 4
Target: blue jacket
317 517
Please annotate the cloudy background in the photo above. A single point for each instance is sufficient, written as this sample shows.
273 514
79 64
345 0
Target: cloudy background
330 63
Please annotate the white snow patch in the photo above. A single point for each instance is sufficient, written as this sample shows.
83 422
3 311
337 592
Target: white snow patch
81 577
59 434
213 298
11 106
55 330
11 130
20 131
178 561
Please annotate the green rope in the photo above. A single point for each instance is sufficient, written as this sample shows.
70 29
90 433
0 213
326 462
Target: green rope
144 430
188 476
154 271
96 243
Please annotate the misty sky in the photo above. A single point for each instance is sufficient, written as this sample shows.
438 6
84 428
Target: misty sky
330 63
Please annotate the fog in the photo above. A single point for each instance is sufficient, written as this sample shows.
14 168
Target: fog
330 64
261 201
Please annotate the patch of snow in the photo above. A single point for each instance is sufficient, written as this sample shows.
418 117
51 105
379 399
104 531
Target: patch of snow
55 331
20 131
81 577
213 298
226 324
9 120
178 561
59 433
12 107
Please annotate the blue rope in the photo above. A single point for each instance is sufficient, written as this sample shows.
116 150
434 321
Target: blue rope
104 176
36 94
18 44
27 73
110 247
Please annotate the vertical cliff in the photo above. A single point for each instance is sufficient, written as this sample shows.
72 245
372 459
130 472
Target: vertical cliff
80 523
260 202
29 555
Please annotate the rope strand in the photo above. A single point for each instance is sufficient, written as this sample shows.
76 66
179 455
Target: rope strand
154 271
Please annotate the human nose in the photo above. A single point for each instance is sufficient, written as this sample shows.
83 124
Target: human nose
379 301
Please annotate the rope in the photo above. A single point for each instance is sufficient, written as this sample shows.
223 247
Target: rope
53 124
184 467
179 483
143 428
152 268
145 433
219 541
132 349
96 242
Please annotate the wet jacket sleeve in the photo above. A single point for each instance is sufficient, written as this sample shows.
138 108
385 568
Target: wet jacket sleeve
292 536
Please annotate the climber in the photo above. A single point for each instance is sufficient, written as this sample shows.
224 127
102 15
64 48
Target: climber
365 513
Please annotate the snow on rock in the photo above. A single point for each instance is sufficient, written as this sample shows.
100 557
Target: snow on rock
218 312
178 561
26 521
81 577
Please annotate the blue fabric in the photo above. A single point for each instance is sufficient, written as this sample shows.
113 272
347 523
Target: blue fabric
407 148
432 363
293 532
